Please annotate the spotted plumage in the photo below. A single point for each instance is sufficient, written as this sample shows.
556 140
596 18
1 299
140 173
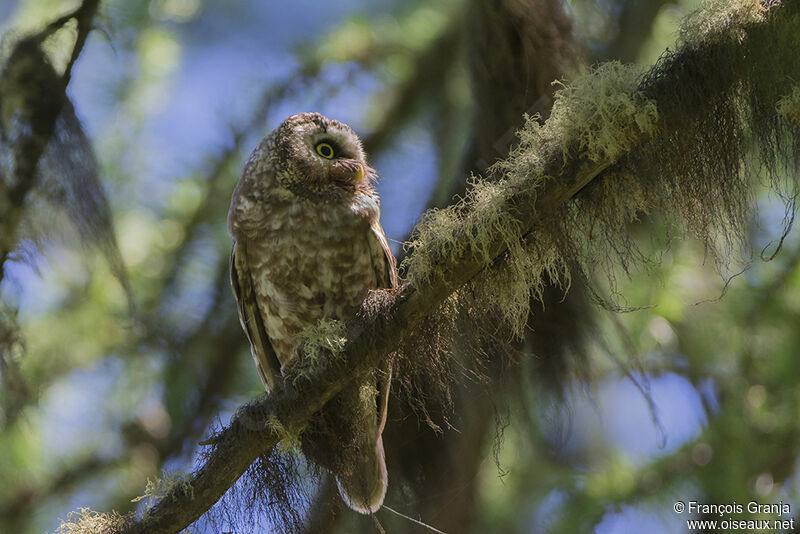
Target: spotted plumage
308 246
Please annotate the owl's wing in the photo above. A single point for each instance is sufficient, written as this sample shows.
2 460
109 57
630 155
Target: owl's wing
267 363
382 258
386 273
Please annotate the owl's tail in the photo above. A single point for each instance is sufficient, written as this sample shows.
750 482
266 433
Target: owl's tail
364 488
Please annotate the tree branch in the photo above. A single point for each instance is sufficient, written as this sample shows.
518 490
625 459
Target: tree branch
521 46
386 318
29 75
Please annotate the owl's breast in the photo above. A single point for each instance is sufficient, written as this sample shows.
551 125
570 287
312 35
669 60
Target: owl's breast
311 262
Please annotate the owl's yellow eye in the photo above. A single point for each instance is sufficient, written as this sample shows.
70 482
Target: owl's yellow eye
325 150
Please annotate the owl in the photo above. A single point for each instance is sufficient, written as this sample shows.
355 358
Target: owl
308 246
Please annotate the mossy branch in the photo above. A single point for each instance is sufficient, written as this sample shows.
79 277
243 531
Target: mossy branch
731 70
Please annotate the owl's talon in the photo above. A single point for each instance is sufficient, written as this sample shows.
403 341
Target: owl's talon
288 367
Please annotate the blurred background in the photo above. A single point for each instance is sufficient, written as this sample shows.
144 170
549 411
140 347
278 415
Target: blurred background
693 398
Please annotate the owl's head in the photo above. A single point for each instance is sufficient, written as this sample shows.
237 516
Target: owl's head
318 157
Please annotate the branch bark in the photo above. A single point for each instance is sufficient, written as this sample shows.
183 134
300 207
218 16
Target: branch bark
385 318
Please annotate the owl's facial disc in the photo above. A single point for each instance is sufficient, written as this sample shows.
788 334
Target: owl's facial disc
321 158
338 155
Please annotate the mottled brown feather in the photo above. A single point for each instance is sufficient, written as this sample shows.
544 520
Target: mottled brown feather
267 363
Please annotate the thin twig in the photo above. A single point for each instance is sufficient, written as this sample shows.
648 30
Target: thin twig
420 523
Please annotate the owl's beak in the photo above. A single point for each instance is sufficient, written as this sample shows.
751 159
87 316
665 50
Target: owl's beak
359 174
365 173
351 172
